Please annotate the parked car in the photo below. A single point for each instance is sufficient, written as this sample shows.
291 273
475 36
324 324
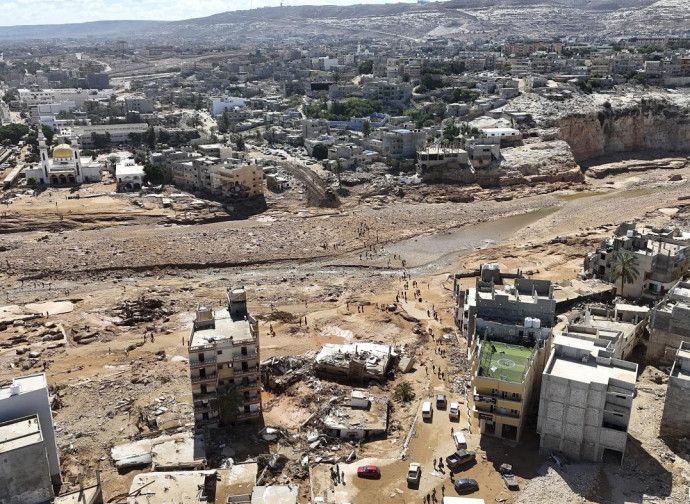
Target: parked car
460 441
509 478
441 402
466 485
414 473
369 471
459 458
454 411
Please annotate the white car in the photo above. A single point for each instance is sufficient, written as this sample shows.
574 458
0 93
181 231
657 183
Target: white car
454 411
414 473
460 441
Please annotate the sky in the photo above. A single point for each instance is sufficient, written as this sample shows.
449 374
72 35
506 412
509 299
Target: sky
33 12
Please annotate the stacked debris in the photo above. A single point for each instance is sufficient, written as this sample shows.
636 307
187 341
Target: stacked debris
141 310
280 373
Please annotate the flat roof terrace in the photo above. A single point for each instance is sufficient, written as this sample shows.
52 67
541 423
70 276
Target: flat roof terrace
225 328
504 362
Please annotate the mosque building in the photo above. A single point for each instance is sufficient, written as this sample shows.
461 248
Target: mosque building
66 166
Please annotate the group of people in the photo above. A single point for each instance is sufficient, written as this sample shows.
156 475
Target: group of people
337 477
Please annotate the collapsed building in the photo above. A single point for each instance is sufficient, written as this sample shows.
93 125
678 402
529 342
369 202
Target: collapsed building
662 257
364 417
358 362
218 485
675 421
224 362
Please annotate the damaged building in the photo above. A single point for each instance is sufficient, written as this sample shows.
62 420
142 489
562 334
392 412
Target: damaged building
669 324
219 486
224 362
363 417
358 362
662 258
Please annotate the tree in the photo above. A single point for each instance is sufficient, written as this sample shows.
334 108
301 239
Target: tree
320 152
366 67
230 400
13 132
48 132
154 174
366 128
100 141
623 266
403 392
239 142
149 137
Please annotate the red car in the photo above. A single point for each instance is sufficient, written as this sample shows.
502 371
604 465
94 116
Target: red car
369 471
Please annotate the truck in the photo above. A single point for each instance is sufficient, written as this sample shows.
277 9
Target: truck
509 478
459 458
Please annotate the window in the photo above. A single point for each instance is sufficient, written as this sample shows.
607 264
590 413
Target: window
220 352
229 365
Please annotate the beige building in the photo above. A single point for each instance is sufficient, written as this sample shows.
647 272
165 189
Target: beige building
669 324
224 362
675 422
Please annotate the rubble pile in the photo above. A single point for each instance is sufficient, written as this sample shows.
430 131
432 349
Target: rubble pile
280 373
83 334
141 310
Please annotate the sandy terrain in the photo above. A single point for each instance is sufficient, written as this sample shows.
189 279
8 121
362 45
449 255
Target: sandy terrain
307 262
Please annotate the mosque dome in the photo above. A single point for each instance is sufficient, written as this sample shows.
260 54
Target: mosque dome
62 151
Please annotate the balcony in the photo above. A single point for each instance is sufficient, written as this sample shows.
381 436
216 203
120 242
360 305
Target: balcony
247 356
210 377
203 408
252 385
251 399
201 363
245 372
252 414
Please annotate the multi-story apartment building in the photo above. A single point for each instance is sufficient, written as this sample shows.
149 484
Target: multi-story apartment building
662 258
224 362
508 329
586 400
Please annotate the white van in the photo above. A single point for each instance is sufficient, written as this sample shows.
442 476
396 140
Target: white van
427 411
460 441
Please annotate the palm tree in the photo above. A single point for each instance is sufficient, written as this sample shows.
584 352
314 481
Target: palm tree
230 400
403 392
623 266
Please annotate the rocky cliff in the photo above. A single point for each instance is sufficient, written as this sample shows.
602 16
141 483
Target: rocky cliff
635 119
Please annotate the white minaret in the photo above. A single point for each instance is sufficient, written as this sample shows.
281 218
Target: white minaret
44 151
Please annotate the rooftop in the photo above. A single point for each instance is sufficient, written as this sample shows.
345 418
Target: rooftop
186 486
374 418
225 328
275 494
374 355
20 433
504 362
26 384
591 369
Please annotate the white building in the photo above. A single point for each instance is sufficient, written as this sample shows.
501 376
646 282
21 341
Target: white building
29 98
218 105
129 176
28 396
119 133
65 167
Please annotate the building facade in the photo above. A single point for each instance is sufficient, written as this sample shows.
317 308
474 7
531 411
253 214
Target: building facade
586 401
224 363
675 421
65 167
669 324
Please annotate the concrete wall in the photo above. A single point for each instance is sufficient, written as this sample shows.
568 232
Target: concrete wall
667 331
675 421
25 476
